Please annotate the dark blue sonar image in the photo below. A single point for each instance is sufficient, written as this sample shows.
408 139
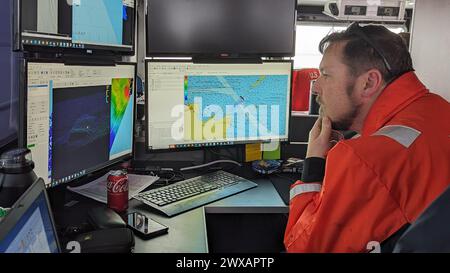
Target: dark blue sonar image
80 129
86 129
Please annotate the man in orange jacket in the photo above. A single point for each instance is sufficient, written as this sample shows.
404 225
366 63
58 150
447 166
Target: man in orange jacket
363 190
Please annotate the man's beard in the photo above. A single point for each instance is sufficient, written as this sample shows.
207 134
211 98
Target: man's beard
344 123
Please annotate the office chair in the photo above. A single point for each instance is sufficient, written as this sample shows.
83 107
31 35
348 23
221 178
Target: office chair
301 86
430 233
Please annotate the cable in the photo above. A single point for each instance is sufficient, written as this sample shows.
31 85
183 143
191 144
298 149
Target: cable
209 164
176 176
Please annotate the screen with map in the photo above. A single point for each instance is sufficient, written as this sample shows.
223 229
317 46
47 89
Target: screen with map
78 24
79 119
200 105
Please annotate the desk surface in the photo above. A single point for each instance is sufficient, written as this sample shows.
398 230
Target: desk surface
187 231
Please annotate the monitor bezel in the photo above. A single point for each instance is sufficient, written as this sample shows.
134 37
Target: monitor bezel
218 54
22 205
7 142
23 123
89 50
165 150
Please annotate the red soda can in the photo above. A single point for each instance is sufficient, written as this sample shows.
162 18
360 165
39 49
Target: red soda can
117 188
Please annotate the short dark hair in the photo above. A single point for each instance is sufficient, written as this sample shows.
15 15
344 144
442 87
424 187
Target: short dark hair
372 46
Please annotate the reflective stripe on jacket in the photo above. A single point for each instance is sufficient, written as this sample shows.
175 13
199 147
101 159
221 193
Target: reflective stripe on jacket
376 183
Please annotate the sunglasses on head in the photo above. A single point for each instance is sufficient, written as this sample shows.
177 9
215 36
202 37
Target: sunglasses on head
356 29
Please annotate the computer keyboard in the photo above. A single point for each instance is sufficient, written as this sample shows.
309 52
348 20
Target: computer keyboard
191 193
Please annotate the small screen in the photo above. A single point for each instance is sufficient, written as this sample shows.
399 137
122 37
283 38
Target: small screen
200 105
33 233
142 223
79 24
79 118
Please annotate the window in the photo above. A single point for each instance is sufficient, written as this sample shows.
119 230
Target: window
308 37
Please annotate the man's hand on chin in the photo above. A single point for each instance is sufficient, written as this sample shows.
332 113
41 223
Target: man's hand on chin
319 138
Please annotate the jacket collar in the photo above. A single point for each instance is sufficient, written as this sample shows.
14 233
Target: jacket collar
395 97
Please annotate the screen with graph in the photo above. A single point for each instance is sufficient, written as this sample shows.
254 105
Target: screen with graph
78 118
78 24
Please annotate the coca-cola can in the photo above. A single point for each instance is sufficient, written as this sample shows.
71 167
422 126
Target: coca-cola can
117 188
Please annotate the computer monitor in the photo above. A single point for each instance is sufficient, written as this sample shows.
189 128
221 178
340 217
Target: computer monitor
29 225
210 104
78 118
217 27
76 25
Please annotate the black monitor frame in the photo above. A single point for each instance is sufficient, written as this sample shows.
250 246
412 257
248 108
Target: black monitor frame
24 103
211 61
222 55
22 205
10 106
8 61
88 49
8 143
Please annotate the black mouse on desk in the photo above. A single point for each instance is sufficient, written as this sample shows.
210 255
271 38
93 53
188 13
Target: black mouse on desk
103 217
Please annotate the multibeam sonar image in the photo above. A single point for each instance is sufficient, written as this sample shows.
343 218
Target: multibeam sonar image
121 115
80 129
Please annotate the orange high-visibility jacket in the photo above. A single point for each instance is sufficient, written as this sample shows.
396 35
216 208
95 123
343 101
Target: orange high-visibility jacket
379 181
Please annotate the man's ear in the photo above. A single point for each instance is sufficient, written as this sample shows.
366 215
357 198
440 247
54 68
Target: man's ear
372 83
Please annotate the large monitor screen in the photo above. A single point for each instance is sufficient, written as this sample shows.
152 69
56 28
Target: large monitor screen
78 24
217 27
78 118
199 105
